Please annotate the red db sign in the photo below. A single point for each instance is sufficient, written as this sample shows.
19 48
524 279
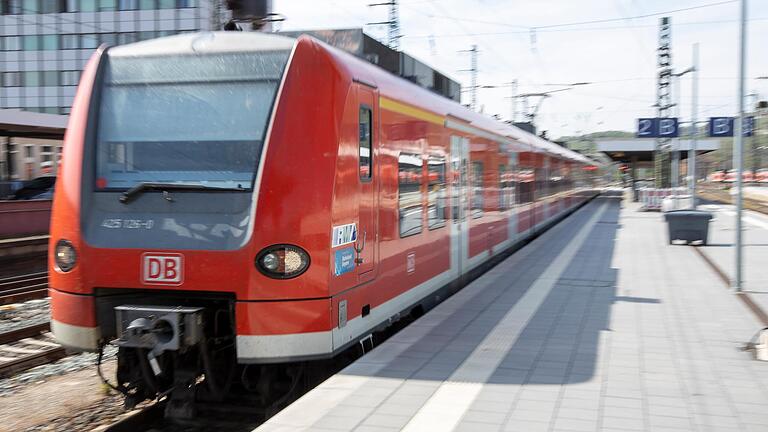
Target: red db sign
163 269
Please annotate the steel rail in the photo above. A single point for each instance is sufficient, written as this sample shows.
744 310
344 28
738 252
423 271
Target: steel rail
24 332
20 288
21 364
46 355
22 297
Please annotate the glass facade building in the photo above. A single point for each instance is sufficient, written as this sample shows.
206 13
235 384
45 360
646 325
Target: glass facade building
44 44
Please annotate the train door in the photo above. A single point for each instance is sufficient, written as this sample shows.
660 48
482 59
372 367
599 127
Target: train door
459 203
368 142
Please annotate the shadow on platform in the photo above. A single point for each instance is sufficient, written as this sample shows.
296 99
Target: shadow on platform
560 343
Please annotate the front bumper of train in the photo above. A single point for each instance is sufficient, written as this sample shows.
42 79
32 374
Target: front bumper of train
266 332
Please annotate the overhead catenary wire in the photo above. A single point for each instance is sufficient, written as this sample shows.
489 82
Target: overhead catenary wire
587 25
589 29
588 22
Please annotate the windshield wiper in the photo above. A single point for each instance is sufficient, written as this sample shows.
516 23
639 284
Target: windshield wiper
140 188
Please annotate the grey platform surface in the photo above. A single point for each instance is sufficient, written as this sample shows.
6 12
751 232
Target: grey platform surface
755 252
598 325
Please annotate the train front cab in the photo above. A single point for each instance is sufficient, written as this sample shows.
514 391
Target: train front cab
145 247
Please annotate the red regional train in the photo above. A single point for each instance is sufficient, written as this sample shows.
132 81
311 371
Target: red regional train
232 205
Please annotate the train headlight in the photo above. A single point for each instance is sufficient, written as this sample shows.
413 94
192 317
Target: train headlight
282 261
64 255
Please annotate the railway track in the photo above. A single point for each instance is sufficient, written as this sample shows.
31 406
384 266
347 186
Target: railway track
27 347
16 289
28 247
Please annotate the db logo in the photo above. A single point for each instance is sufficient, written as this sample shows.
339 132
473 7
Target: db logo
164 269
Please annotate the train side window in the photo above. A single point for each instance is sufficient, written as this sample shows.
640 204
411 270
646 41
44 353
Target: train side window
477 189
365 141
409 193
506 187
437 207
525 181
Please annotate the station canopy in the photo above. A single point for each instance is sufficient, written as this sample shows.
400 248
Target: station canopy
17 123
641 149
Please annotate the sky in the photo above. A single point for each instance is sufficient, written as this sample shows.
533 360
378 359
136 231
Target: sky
546 43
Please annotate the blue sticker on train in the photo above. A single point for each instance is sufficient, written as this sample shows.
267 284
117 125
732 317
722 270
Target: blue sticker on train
344 261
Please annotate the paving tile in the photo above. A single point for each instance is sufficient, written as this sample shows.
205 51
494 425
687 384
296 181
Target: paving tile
374 429
504 394
566 424
539 394
754 427
386 420
751 408
667 401
465 426
669 422
525 426
667 411
484 417
531 415
623 423
719 421
622 412
667 429
337 422
623 402
492 406
574 403
397 409
535 405
577 414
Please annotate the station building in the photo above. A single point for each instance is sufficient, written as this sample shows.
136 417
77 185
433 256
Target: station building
44 46
30 144
46 43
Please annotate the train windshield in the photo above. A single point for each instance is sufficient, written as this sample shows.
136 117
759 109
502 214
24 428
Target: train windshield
187 119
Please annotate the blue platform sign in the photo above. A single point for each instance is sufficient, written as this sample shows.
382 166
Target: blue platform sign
344 261
726 126
646 128
657 127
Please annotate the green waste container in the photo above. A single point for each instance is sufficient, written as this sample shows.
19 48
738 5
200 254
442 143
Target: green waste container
688 225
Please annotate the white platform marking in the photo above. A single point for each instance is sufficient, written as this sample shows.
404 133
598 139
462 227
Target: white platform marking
443 411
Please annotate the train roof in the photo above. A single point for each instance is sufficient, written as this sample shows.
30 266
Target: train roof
204 43
413 94
400 88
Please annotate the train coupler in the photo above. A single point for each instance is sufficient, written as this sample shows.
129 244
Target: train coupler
158 329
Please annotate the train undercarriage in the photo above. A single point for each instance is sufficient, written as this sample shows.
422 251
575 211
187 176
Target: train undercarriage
181 348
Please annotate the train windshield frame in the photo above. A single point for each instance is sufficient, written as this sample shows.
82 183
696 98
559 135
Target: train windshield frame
185 119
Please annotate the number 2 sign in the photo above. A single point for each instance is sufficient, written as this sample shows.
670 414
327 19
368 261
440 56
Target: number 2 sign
657 127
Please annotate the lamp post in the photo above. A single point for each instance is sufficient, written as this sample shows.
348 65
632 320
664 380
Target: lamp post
676 152
694 130
738 155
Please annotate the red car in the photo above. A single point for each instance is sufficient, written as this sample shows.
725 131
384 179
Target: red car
236 204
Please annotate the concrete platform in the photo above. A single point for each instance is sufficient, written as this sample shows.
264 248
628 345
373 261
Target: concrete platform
755 253
598 325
